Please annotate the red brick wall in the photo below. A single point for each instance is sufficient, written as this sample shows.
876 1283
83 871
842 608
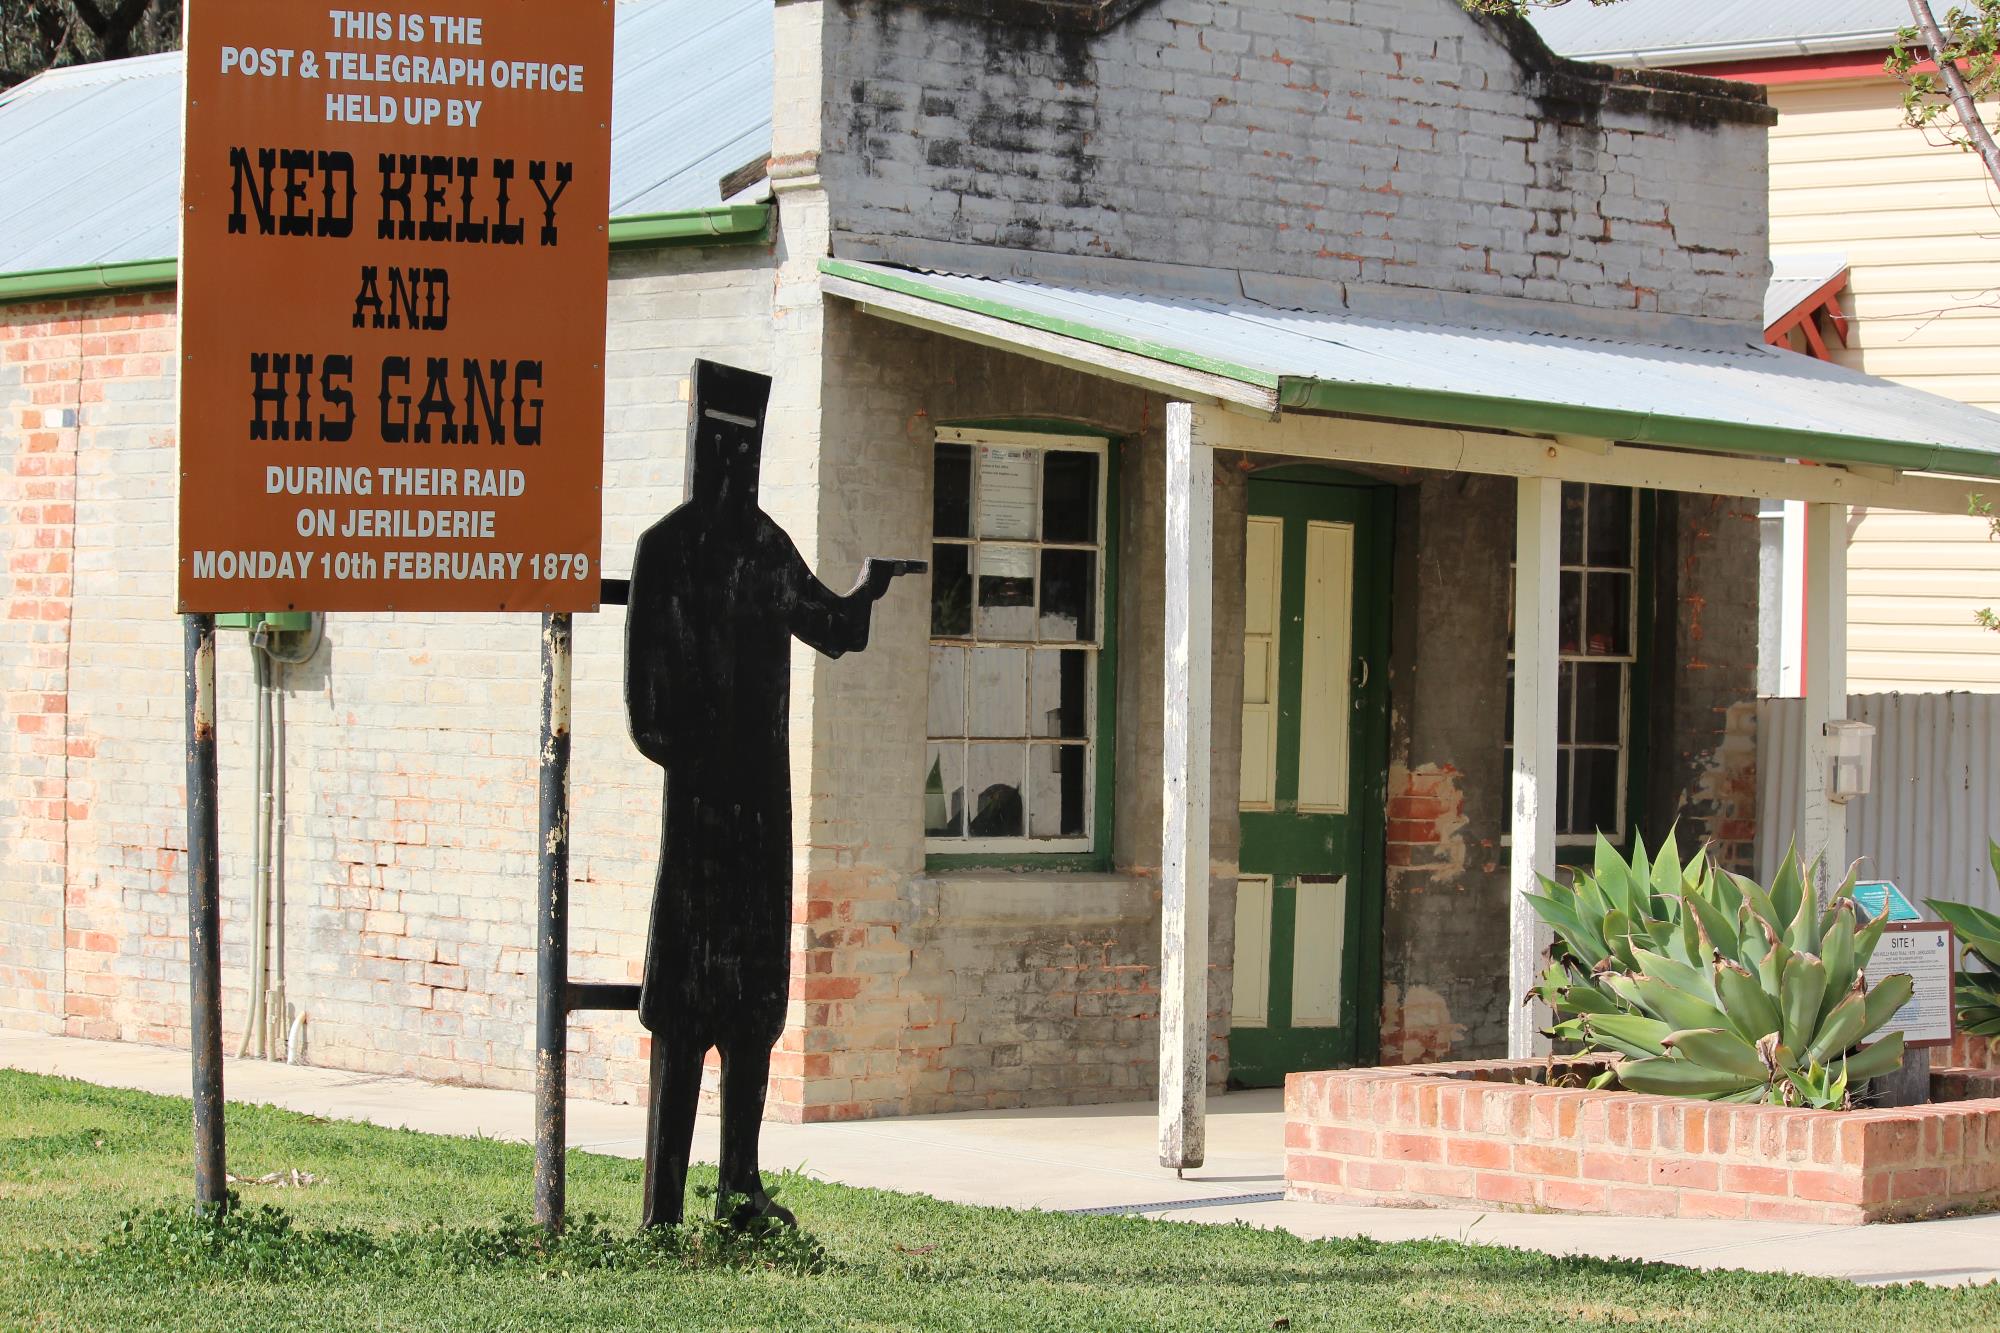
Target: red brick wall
57 940
1491 1133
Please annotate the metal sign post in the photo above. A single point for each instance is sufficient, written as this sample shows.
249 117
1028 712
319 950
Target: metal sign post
211 1181
552 918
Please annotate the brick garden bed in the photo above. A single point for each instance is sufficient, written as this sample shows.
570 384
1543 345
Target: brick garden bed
1496 1134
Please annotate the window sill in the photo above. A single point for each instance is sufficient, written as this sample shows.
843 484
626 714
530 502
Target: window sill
973 897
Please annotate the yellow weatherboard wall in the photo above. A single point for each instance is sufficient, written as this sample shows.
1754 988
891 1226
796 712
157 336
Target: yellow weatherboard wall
1920 225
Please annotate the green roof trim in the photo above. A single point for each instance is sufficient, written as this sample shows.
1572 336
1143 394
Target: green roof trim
85 279
1152 351
727 224
1709 436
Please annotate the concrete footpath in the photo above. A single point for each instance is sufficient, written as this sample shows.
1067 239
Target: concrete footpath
1071 1159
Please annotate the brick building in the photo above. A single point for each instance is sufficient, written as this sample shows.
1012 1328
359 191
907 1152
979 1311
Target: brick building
1223 359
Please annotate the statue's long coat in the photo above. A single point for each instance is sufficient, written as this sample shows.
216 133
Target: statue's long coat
716 599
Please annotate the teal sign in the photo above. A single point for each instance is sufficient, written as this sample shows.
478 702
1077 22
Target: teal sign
1874 895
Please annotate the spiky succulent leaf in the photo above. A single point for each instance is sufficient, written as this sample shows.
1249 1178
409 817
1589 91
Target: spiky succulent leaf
1718 928
1760 907
1799 996
1867 937
1628 1034
1618 937
1844 1026
1719 1050
1978 930
1695 980
1674 1006
1752 1011
1836 950
1889 994
1876 1059
1803 932
1787 888
1675 1077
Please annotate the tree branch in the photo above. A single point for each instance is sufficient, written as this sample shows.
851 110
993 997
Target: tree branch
1962 100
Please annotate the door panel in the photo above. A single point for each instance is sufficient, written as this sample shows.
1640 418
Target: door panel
1319 941
1252 1008
1327 659
1260 662
1308 916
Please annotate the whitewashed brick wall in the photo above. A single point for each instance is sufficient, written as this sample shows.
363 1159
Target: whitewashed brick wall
1378 142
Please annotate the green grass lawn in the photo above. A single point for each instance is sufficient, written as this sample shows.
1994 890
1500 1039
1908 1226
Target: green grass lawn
74 1158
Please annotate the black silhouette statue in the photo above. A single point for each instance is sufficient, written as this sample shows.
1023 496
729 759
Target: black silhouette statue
718 593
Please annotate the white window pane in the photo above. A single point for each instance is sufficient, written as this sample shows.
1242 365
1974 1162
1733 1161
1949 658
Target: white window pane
1007 493
944 792
1056 798
999 700
996 775
1006 593
947 691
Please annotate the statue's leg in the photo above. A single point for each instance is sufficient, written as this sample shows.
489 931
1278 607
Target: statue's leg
676 1093
746 1072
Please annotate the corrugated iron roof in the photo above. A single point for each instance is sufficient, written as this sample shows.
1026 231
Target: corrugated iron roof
1658 28
1749 398
1795 279
90 155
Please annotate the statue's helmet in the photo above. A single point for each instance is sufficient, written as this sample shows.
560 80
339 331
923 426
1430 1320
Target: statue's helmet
726 434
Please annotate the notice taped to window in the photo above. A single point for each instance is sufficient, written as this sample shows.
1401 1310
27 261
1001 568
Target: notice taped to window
393 268
1925 950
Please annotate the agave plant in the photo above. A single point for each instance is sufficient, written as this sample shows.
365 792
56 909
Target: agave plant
1711 986
1978 993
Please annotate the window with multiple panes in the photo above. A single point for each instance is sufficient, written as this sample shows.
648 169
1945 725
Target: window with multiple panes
1597 631
1017 624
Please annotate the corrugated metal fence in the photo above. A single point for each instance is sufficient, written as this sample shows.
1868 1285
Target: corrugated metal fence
1936 795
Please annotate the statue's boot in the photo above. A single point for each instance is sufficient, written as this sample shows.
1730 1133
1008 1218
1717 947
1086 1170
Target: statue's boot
752 1206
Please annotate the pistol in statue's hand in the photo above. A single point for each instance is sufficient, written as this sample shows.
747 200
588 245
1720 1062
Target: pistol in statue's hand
877 573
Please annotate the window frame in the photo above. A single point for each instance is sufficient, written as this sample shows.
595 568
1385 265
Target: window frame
1634 736
1091 852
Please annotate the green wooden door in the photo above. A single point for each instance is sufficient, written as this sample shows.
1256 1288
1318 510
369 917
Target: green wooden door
1315 745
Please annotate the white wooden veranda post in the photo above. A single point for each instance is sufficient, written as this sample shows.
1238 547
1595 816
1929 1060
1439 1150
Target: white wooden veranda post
1537 660
1184 835
1823 823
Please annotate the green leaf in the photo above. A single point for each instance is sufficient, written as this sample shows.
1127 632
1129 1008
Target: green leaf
1890 994
1836 950
1866 938
1718 931
1799 996
1803 932
1977 929
1787 888
1873 1061
1628 1034
1618 939
1681 1078
1674 1006
1760 905
1844 1026
1752 1011
1719 1050
1696 981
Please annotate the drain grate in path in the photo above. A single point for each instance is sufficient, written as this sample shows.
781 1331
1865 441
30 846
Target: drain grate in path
1175 1205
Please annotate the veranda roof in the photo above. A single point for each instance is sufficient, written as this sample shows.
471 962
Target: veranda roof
1748 399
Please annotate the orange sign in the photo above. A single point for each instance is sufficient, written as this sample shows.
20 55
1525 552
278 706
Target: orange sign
393 267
